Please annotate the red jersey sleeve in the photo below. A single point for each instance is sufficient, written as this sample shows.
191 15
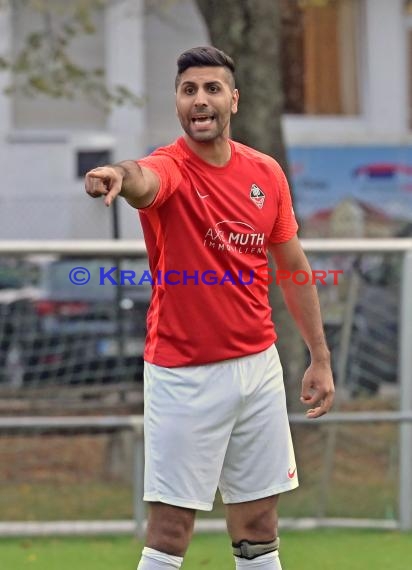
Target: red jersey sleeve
285 226
168 168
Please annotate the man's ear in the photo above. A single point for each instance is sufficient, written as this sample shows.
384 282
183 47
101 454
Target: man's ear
235 101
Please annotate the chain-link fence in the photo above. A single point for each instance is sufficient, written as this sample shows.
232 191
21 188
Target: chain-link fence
76 350
59 325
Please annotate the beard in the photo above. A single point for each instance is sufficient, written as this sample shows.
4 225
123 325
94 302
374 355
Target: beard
200 134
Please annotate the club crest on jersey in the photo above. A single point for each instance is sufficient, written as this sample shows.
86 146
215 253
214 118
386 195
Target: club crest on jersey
257 196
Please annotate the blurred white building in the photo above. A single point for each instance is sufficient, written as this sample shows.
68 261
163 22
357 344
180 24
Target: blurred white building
347 76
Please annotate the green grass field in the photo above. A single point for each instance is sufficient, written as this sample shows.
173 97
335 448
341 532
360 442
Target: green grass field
321 549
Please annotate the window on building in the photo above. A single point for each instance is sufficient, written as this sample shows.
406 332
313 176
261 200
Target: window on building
87 50
320 56
89 159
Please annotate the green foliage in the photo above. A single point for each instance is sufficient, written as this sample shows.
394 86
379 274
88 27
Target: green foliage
43 64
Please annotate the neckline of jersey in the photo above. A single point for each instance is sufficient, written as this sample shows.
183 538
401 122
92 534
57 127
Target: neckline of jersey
217 169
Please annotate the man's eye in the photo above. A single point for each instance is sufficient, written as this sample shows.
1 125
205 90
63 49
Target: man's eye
213 88
189 90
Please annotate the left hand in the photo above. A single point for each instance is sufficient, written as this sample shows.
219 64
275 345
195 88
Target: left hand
318 389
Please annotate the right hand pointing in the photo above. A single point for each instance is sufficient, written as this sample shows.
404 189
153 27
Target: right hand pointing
104 181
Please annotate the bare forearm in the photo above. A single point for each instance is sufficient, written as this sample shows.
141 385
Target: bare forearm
135 188
137 185
303 304
301 299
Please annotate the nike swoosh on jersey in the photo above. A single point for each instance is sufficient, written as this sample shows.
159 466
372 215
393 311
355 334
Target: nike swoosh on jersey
200 195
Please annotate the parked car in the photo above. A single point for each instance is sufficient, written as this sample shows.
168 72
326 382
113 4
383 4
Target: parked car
16 293
57 331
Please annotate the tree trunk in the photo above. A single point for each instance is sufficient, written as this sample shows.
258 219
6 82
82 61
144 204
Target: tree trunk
249 31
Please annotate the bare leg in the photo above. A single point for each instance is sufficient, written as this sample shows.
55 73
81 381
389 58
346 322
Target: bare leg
169 528
256 522
169 532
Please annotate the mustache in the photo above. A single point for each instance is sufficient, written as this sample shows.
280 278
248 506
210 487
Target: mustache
202 109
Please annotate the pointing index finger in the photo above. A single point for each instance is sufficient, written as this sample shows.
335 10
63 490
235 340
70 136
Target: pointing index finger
114 192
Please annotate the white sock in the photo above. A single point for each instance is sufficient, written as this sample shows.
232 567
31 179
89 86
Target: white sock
154 560
269 561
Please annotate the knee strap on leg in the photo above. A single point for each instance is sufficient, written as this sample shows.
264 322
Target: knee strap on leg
250 550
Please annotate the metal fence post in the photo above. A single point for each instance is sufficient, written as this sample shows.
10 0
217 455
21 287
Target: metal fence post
405 370
139 510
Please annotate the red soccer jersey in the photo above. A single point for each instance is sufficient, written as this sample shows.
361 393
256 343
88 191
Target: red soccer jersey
207 233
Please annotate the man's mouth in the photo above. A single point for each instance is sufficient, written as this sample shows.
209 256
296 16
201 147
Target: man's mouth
203 120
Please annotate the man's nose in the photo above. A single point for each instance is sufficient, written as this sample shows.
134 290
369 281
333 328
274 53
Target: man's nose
201 98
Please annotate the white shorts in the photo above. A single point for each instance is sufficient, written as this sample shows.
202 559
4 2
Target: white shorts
217 425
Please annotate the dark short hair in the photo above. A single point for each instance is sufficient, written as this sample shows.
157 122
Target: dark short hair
204 56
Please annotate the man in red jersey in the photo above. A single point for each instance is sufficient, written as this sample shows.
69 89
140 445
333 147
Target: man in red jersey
215 410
